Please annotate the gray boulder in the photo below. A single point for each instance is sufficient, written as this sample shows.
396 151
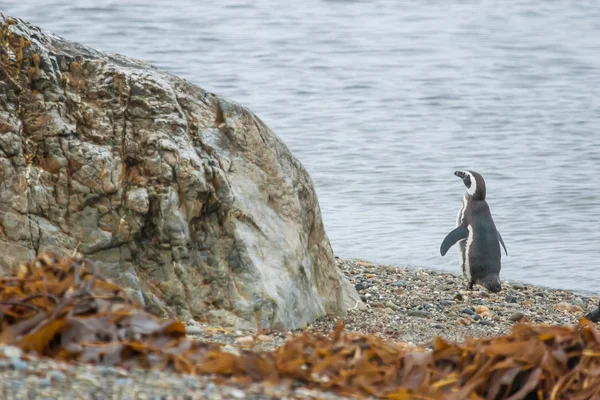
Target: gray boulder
186 198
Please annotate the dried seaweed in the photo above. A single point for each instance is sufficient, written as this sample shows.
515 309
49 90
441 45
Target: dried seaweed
63 309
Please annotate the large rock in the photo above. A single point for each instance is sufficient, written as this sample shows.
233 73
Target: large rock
186 198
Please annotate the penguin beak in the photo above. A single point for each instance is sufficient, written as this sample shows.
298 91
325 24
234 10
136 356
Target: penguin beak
460 174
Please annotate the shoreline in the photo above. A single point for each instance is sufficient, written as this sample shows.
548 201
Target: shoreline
410 306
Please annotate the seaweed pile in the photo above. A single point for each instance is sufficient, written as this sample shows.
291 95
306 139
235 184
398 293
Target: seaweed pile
62 308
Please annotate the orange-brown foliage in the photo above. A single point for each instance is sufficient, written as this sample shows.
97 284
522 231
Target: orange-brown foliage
59 308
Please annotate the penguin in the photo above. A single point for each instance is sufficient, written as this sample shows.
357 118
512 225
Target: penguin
478 239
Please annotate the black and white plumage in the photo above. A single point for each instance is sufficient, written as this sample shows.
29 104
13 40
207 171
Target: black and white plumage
478 239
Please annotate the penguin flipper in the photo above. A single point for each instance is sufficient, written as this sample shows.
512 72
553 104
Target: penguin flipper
502 243
459 233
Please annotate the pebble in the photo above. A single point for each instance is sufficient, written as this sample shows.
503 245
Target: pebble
361 286
459 296
486 322
264 338
123 381
245 342
463 322
56 376
518 286
467 311
43 382
482 309
419 313
511 299
193 330
238 394
88 379
18 364
399 284
566 307
516 316
391 305
12 352
106 370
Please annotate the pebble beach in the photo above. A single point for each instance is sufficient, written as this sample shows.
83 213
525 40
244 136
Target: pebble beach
407 305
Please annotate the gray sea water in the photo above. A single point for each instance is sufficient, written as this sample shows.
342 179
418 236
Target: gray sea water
383 100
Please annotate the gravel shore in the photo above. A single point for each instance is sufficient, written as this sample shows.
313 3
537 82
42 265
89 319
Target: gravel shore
402 305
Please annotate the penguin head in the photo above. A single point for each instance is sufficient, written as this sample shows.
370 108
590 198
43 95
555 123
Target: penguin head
474 183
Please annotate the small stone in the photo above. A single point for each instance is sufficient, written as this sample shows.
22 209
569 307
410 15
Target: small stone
56 376
230 349
88 379
391 305
467 311
18 364
5 364
516 316
361 286
463 322
12 352
476 317
526 303
511 299
540 294
363 298
459 296
579 302
399 283
419 313
566 307
377 305
193 330
245 342
437 326
238 394
106 370
43 382
428 307
264 338
123 381
388 310
518 286
446 303
486 322
482 309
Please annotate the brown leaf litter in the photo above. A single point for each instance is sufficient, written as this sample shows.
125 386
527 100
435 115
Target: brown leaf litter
63 309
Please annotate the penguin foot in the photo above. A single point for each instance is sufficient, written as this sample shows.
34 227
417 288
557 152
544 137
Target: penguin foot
469 286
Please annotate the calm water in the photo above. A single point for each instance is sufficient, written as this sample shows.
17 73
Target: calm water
383 100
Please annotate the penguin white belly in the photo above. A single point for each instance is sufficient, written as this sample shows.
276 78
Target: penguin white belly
467 256
462 243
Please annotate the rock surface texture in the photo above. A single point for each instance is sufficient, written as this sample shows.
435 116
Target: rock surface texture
187 199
